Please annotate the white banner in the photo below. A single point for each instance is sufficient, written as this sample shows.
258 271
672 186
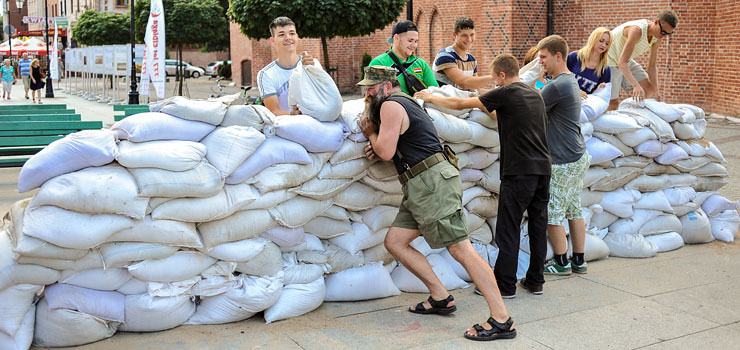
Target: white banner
152 67
54 57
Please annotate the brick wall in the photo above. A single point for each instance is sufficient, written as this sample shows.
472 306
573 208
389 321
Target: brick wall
696 65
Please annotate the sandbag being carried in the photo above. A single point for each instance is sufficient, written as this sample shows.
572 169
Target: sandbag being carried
314 92
172 155
314 135
143 127
73 152
211 112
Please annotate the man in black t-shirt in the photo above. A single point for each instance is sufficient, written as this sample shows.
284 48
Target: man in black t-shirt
525 170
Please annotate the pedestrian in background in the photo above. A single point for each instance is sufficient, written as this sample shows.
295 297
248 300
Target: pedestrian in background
24 69
37 81
8 78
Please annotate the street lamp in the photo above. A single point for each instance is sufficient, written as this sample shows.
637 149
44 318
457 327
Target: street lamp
133 95
19 5
49 88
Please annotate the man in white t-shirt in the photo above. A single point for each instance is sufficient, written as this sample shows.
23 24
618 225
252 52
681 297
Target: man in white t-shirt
273 79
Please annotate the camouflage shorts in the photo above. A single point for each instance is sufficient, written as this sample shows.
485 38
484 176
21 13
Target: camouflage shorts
566 185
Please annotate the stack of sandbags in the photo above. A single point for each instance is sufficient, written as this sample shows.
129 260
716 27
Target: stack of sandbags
650 173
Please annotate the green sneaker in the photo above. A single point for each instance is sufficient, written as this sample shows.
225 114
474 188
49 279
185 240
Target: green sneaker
578 268
553 268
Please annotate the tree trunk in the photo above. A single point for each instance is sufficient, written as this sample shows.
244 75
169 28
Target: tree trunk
180 68
325 48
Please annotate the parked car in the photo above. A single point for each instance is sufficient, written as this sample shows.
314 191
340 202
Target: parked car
171 66
212 69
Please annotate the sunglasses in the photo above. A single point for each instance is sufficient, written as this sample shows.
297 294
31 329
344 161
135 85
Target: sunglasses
663 32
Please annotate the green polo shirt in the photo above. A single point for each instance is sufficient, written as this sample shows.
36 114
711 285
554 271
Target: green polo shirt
420 68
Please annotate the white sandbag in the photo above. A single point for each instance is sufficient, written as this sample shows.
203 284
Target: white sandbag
601 151
684 180
340 259
286 236
701 197
241 225
469 175
91 260
146 313
587 131
651 148
112 187
269 199
314 92
407 282
594 106
594 175
359 197
620 202
298 211
698 112
167 232
684 131
169 155
326 228
296 300
229 147
603 219
17 300
189 264
274 150
632 225
347 170
336 213
492 178
531 72
133 286
268 262
482 136
360 238
672 155
473 192
633 161
594 248
451 128
482 118
170 289
716 204
710 183
617 178
238 251
616 142
483 235
73 152
202 181
211 112
724 225
371 281
589 198
350 150
683 209
630 246
654 201
99 279
615 122
392 186
664 110
700 125
659 169
645 117
666 241
308 242
711 169
152 126
282 176
80 231
383 171
449 91
256 116
314 135
23 245
696 227
12 274
378 253
692 163
661 224
23 337
351 113
227 201
295 272
379 217
322 189
107 305
245 297
64 327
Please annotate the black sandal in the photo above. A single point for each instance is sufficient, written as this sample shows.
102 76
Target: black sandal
498 331
438 307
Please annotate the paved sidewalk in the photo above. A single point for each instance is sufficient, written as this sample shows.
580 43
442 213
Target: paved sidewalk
685 299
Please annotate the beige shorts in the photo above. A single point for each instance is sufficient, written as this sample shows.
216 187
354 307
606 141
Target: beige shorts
26 81
619 82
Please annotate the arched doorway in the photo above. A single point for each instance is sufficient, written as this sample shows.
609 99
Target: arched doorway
246 72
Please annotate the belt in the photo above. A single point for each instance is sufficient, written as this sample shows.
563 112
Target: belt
420 167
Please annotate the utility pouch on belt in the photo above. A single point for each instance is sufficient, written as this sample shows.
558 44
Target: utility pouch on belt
451 156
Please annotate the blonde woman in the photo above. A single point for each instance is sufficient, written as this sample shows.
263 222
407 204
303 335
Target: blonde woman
8 77
37 82
589 64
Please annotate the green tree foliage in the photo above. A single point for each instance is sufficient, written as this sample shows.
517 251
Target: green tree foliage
101 28
323 19
187 22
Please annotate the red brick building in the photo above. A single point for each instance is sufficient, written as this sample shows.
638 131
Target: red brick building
696 65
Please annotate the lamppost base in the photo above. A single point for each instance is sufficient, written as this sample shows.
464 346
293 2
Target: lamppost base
49 88
133 97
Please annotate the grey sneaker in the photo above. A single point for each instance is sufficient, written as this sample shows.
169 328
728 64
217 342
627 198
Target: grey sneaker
578 268
553 268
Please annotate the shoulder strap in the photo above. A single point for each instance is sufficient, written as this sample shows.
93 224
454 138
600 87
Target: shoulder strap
401 67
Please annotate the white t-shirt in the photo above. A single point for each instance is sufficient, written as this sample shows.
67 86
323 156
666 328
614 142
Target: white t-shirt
273 80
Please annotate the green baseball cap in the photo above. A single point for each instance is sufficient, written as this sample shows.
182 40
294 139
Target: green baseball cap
377 74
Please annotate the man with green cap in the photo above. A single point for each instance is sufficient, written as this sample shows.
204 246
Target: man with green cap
398 129
404 40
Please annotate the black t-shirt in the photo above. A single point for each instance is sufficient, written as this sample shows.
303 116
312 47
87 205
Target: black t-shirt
522 127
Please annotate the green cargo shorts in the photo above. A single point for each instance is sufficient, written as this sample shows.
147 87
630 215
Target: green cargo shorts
432 204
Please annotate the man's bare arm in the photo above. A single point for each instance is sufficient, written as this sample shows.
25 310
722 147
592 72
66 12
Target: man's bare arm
467 82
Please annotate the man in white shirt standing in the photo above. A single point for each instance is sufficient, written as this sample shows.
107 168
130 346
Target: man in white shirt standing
273 79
